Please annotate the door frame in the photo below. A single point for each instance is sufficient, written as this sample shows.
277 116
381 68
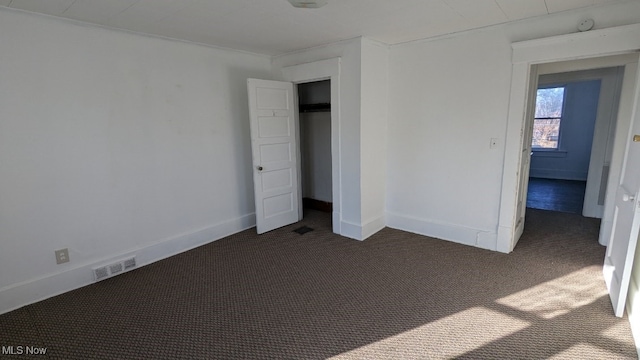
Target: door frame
609 72
317 71
526 55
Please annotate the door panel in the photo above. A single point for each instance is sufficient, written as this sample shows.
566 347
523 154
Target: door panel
619 256
525 155
626 221
275 154
273 126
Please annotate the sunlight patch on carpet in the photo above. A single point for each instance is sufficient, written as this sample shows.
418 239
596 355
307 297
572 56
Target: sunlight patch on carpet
613 333
585 351
448 337
558 296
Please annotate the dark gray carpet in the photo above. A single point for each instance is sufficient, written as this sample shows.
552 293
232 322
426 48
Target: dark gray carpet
317 295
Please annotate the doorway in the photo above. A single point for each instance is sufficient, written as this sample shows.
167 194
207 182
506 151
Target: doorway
572 139
518 147
328 69
619 227
314 104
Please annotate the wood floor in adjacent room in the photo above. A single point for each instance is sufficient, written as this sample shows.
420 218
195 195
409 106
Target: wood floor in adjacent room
397 295
556 195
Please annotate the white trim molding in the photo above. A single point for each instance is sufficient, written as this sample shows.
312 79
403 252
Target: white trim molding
594 43
440 230
373 226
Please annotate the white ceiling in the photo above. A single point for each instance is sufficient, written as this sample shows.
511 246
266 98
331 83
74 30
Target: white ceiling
274 26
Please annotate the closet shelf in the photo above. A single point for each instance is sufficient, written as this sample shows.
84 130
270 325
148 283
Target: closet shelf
305 108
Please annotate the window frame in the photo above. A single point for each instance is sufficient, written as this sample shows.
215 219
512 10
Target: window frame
558 150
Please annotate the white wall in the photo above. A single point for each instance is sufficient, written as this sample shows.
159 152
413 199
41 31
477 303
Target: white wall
114 144
571 161
315 147
448 97
374 111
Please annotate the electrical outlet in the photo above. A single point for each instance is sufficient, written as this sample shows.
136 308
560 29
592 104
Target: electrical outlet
62 256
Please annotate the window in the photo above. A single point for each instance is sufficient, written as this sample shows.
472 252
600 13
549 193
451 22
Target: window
546 124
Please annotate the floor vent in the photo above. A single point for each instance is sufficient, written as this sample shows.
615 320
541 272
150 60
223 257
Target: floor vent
129 263
303 230
113 269
116 268
100 273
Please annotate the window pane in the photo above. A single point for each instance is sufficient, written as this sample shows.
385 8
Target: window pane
549 102
545 133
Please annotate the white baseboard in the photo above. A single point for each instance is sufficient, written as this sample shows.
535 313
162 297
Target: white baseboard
27 292
335 218
459 234
351 230
373 226
504 239
361 232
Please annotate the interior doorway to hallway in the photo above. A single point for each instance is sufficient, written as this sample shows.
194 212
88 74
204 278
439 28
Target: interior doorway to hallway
571 140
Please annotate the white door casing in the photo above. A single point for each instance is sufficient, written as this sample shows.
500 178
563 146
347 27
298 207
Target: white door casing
618 261
274 146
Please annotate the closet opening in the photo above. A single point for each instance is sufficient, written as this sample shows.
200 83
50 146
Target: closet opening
314 103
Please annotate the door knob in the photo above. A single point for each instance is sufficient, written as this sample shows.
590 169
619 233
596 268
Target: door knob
259 168
627 197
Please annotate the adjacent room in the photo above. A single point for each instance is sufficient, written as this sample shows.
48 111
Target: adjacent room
319 179
572 140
